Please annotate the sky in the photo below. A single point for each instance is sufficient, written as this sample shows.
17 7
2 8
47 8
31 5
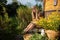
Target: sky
23 1
32 2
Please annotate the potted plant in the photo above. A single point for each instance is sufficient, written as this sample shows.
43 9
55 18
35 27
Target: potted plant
51 24
37 36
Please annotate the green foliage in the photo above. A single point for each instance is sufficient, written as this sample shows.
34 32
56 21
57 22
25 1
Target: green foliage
13 19
37 36
52 22
11 9
24 16
39 0
3 1
6 28
39 7
12 24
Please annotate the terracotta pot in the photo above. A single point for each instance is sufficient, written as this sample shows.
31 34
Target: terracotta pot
27 36
51 34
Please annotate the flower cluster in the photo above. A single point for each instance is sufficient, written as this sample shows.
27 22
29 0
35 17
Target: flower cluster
52 22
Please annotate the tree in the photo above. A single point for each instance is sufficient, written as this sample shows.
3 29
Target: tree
39 0
3 1
11 9
29 4
14 0
24 17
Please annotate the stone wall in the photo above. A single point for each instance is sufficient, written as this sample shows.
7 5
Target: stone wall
49 12
49 5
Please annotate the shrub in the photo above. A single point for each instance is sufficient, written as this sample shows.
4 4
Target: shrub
37 36
12 24
52 22
24 17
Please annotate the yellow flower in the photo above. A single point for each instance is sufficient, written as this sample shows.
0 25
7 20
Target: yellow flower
58 18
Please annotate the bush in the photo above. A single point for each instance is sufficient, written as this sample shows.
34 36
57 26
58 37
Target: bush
11 23
52 22
24 17
37 36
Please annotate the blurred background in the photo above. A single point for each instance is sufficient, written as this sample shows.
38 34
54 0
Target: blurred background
15 15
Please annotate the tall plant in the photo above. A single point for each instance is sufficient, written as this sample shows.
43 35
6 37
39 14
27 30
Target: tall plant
23 16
